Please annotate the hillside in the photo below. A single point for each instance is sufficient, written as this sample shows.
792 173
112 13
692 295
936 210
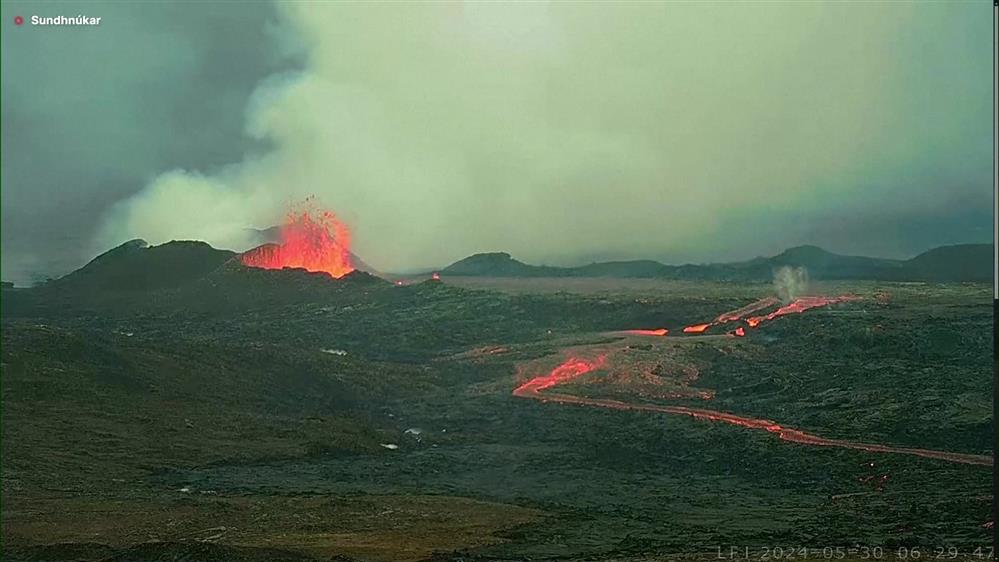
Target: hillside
964 262
960 263
821 264
136 266
499 264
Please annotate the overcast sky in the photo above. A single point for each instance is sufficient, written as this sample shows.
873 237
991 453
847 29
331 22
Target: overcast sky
560 133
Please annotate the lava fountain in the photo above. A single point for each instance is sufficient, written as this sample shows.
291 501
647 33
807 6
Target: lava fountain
311 240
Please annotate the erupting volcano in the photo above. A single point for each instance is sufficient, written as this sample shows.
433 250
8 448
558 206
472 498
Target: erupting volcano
310 239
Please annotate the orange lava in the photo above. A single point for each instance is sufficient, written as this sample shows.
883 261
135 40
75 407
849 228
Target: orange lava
798 306
750 308
315 241
568 370
574 367
659 332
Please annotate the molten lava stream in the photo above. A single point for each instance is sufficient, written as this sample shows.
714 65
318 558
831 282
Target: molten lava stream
575 367
659 332
797 306
738 313
565 372
696 329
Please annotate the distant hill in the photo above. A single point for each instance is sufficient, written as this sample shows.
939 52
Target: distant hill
136 266
961 263
192 275
821 264
631 268
964 262
499 264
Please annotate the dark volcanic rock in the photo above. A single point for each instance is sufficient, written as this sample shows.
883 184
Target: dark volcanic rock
136 266
962 262
499 264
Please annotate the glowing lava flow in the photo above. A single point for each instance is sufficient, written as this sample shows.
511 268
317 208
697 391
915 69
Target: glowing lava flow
574 367
798 306
315 243
659 332
570 369
750 308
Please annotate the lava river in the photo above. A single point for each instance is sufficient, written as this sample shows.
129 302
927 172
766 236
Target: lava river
575 367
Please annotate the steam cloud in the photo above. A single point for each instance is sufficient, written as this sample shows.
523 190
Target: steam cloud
790 282
560 131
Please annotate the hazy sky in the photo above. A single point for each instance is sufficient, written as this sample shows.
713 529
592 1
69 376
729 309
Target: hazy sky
558 132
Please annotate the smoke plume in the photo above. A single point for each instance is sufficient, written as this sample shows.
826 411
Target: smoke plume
557 131
790 282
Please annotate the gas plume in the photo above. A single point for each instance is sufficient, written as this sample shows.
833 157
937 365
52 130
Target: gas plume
790 282
564 131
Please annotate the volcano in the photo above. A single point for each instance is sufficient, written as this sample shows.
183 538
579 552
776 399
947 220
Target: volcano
312 240
272 235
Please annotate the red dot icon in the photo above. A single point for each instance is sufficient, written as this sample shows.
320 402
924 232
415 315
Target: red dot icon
18 20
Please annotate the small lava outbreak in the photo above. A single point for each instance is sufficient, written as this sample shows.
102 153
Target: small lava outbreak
657 332
310 239
750 308
568 370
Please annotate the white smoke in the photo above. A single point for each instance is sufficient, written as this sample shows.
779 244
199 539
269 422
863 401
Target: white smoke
790 282
437 130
